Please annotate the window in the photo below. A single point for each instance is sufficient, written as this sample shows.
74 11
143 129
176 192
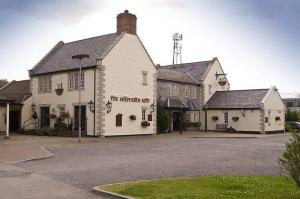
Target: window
269 118
61 110
195 117
45 84
119 120
187 117
187 91
169 90
175 90
143 114
74 81
298 104
226 118
145 79
209 89
289 104
193 92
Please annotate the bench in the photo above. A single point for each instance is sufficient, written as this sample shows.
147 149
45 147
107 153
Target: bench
221 127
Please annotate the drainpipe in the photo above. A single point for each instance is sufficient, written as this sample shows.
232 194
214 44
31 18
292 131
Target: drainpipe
7 121
94 125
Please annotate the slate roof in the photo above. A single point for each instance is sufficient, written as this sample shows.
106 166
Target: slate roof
174 103
236 99
196 69
16 91
173 75
60 56
193 105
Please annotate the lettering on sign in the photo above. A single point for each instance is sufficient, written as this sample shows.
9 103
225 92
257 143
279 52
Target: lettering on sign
129 99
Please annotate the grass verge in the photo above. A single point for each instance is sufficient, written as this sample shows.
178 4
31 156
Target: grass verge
225 187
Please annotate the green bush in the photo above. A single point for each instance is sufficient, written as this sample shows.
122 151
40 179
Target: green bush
163 118
291 158
43 131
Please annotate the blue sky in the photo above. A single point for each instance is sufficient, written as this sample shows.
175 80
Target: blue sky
256 41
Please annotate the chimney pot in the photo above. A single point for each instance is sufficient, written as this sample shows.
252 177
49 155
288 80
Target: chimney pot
126 22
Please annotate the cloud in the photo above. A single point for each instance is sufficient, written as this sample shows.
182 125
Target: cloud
169 3
62 11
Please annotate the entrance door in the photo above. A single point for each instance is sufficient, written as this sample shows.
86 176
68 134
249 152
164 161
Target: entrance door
176 121
83 118
45 117
14 120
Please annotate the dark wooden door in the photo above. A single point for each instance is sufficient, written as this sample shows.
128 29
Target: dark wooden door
14 120
176 121
83 118
45 117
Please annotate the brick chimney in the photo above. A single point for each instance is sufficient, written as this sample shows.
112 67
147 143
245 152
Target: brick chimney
126 22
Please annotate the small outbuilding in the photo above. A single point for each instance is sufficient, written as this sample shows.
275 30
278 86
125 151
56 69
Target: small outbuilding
250 111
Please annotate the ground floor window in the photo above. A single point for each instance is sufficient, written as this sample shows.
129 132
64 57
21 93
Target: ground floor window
226 118
143 114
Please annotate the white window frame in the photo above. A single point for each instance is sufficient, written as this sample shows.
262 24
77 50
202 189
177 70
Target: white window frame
73 81
45 84
144 114
193 92
226 117
187 90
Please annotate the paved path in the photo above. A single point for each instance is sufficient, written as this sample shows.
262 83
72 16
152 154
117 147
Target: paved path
96 161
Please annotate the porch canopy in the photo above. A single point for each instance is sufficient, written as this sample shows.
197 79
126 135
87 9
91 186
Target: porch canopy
5 100
188 105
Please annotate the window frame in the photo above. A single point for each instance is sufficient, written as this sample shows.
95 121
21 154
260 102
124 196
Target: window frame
74 82
45 84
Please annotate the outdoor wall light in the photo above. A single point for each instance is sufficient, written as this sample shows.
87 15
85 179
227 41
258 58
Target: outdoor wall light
153 106
108 106
33 107
91 106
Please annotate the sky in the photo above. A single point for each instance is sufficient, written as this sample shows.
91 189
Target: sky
256 41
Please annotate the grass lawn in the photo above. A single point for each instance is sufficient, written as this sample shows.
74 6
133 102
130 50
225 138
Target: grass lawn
225 187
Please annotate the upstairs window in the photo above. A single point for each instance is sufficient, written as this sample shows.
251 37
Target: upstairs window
187 91
45 84
193 92
145 77
74 81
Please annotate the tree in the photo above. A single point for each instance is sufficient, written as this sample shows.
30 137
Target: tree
290 159
163 118
291 116
3 82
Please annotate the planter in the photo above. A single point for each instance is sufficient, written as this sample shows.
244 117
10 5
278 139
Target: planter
59 91
214 118
65 115
222 82
132 117
145 124
53 116
235 118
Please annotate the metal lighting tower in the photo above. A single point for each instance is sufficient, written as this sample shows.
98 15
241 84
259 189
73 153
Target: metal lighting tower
79 57
177 48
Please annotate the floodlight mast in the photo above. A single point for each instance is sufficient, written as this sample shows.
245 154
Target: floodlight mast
177 48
